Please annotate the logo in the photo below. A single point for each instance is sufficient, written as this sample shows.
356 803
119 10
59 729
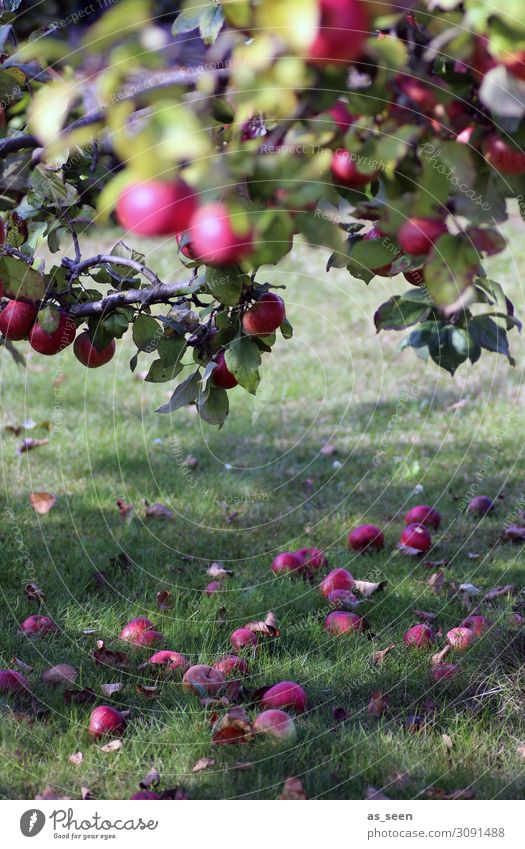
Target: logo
32 822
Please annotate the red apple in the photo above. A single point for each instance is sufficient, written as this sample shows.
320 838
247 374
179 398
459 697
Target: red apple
172 661
420 636
346 173
341 621
418 91
341 599
286 694
415 277
417 235
444 671
477 624
17 319
155 208
423 515
343 27
221 376
203 680
502 156
214 237
12 681
277 724
52 343
231 664
337 579
145 794
88 355
266 315
106 721
286 562
242 637
342 115
481 59
366 537
480 505
460 638
515 63
38 625
416 536
312 558
134 628
213 587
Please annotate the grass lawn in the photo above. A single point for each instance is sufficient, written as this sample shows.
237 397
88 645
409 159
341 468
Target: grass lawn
396 424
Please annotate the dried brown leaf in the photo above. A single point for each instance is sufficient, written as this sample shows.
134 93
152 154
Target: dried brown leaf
514 533
373 795
367 588
152 779
190 461
202 764
148 691
107 657
28 444
112 746
217 570
328 450
436 582
378 704
268 627
233 727
34 593
164 600
76 758
86 792
82 696
496 592
379 656
21 664
110 689
42 502
159 511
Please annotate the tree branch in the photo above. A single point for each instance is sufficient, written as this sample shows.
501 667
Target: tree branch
77 268
149 295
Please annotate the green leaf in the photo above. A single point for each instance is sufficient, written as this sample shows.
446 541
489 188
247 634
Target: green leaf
243 359
320 231
115 324
374 253
15 353
49 188
489 335
20 280
147 333
186 21
185 393
171 349
226 283
398 313
49 318
215 407
286 329
159 372
452 266
210 23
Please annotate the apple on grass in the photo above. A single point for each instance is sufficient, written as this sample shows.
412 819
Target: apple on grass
156 208
265 316
480 505
444 671
416 537
171 661
12 681
38 625
145 794
478 624
460 638
287 562
342 621
312 558
203 681
285 694
243 637
231 664
90 356
365 538
337 579
422 514
106 721
51 343
277 724
17 319
419 636
141 632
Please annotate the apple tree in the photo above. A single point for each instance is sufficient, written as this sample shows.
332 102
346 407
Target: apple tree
388 134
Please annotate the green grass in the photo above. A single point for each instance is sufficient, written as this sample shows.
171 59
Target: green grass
336 382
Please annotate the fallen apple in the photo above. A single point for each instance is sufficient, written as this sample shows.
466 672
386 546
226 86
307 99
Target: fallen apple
106 721
341 621
285 694
365 538
277 724
478 624
38 625
242 637
480 505
203 681
286 562
12 681
419 636
416 536
312 558
460 638
337 579
172 661
423 515
444 671
231 664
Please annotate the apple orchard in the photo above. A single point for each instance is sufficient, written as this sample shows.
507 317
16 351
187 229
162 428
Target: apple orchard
390 135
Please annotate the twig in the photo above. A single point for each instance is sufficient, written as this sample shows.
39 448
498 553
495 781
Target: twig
77 268
149 295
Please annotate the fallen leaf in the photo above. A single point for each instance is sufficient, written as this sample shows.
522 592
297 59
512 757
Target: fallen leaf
293 790
439 793
107 657
110 689
379 656
202 764
112 746
339 714
513 533
267 627
367 588
164 600
469 589
21 664
159 511
436 582
34 593
457 405
86 792
440 655
217 570
399 779
28 444
448 741
190 461
126 510
435 564
378 704
408 550
521 751
60 675
83 696
152 779
496 592
373 795
147 691
42 502
76 758
472 555
234 727
425 615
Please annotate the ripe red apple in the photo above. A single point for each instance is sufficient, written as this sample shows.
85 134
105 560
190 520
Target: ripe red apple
503 157
145 794
346 173
266 315
88 355
417 235
419 636
52 343
277 724
337 579
423 515
134 628
341 599
17 319
231 664
106 721
416 536
154 208
366 537
285 694
416 90
477 624
342 115
242 637
460 638
12 681
38 625
213 587
172 661
341 621
214 237
515 63
343 27
312 558
415 277
221 376
480 505
286 562
203 680
444 671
